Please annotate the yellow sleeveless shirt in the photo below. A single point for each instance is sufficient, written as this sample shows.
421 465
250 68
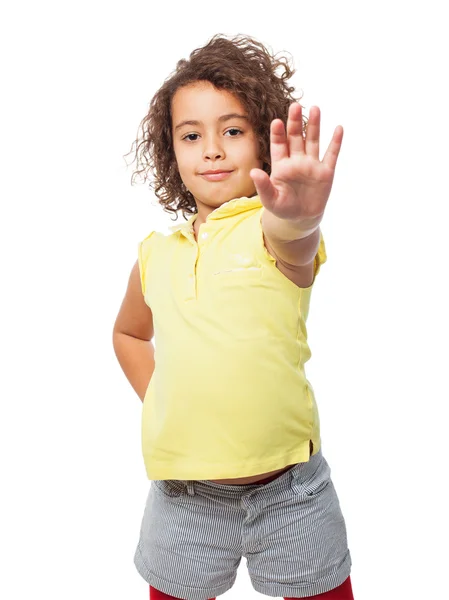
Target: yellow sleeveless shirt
228 397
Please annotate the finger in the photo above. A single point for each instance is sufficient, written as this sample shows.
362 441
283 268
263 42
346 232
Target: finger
295 137
313 133
278 141
265 189
330 158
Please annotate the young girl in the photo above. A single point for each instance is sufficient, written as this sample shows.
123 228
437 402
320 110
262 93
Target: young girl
230 427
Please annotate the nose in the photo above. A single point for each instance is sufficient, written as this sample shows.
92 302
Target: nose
213 149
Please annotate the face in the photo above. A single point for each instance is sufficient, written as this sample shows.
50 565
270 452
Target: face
212 140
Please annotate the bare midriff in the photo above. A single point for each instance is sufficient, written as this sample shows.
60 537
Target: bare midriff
253 479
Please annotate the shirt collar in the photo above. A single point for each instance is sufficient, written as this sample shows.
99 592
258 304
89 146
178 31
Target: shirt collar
228 209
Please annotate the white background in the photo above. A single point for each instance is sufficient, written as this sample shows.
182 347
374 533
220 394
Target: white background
77 79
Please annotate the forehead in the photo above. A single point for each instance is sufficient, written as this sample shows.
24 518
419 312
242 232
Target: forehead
201 100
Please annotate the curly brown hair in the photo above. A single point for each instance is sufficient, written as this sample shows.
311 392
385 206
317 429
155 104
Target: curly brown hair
240 65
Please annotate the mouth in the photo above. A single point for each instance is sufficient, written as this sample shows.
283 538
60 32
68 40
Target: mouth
215 175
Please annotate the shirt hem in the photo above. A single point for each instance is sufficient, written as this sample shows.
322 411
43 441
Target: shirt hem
207 471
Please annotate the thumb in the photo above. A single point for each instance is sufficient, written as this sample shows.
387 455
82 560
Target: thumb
265 189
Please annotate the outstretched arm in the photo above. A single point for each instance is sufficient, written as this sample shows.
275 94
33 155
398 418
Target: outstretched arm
295 195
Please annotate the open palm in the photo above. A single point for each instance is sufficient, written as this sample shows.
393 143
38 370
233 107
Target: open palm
299 185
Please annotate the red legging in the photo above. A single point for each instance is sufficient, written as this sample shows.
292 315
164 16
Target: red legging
342 592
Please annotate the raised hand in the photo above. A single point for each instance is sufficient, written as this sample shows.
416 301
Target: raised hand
299 185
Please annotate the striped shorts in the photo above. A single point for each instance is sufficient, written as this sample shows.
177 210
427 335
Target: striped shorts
291 532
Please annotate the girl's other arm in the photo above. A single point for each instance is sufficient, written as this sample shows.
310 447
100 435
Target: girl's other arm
132 335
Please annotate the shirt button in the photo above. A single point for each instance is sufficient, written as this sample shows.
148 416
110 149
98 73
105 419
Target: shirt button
204 236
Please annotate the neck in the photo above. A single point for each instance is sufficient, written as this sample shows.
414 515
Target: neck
203 212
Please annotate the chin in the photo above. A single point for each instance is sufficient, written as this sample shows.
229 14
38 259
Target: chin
215 197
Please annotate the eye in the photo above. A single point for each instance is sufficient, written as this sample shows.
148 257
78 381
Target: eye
188 136
234 129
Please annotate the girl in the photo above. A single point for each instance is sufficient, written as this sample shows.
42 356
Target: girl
230 427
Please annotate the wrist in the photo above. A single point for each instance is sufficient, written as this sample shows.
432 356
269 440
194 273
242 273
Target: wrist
288 230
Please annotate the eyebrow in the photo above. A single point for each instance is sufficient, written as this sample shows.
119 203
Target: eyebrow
222 118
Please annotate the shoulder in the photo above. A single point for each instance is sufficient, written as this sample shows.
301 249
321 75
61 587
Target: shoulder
145 251
153 241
